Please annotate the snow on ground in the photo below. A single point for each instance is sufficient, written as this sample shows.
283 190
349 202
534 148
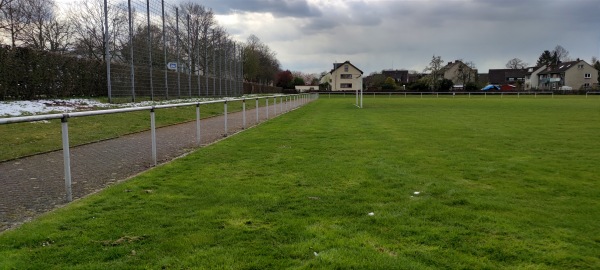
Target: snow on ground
35 107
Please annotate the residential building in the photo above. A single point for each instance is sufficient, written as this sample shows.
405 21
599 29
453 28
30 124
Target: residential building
345 77
459 73
513 77
399 76
532 78
575 74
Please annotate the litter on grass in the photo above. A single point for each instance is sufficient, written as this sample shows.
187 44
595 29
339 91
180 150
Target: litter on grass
371 214
417 192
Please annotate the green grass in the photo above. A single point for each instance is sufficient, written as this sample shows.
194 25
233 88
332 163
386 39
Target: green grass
26 139
504 184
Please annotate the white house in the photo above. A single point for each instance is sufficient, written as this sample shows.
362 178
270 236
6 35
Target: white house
345 77
531 77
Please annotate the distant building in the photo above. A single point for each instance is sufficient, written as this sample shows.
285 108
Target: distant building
513 77
399 76
459 73
532 78
576 75
345 77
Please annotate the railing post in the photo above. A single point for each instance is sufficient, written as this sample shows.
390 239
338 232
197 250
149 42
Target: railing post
281 105
267 107
198 123
225 113
274 106
243 113
66 156
153 134
257 111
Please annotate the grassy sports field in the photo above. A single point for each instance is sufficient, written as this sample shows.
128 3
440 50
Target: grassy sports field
405 183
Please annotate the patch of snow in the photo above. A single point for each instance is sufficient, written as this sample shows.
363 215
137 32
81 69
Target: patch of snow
35 107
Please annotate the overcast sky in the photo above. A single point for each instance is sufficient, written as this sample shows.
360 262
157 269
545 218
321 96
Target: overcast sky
309 35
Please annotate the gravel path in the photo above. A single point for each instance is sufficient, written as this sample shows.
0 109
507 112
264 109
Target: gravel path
34 185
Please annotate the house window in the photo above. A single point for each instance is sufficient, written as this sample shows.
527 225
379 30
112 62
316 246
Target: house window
587 75
580 66
346 76
511 79
345 85
345 68
586 85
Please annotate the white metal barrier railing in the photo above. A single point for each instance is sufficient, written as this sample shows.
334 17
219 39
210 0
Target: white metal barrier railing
292 101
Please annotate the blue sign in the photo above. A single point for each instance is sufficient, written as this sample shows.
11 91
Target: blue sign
172 65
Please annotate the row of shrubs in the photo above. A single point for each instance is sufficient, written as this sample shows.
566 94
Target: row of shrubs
29 74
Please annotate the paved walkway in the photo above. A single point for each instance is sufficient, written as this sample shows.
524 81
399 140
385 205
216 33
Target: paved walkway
34 185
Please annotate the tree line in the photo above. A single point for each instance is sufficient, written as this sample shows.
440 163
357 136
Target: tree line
44 42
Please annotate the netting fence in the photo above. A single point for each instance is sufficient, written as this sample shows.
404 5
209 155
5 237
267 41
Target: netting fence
156 50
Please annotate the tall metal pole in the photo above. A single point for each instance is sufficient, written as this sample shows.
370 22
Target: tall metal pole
178 53
214 42
206 58
190 48
165 50
242 71
132 68
107 52
150 49
220 66
198 59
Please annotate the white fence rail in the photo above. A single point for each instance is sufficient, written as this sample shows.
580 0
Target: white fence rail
452 94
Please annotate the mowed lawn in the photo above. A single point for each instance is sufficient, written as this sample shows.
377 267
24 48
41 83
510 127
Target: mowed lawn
451 184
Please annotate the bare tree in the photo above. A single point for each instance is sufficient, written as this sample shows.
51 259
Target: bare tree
15 17
516 63
434 68
41 13
562 55
4 4
88 25
59 35
260 62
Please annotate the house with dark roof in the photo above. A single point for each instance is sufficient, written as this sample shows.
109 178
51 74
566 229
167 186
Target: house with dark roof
399 76
513 77
459 73
575 74
345 77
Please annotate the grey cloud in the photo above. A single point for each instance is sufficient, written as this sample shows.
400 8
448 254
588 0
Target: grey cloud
279 8
359 14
